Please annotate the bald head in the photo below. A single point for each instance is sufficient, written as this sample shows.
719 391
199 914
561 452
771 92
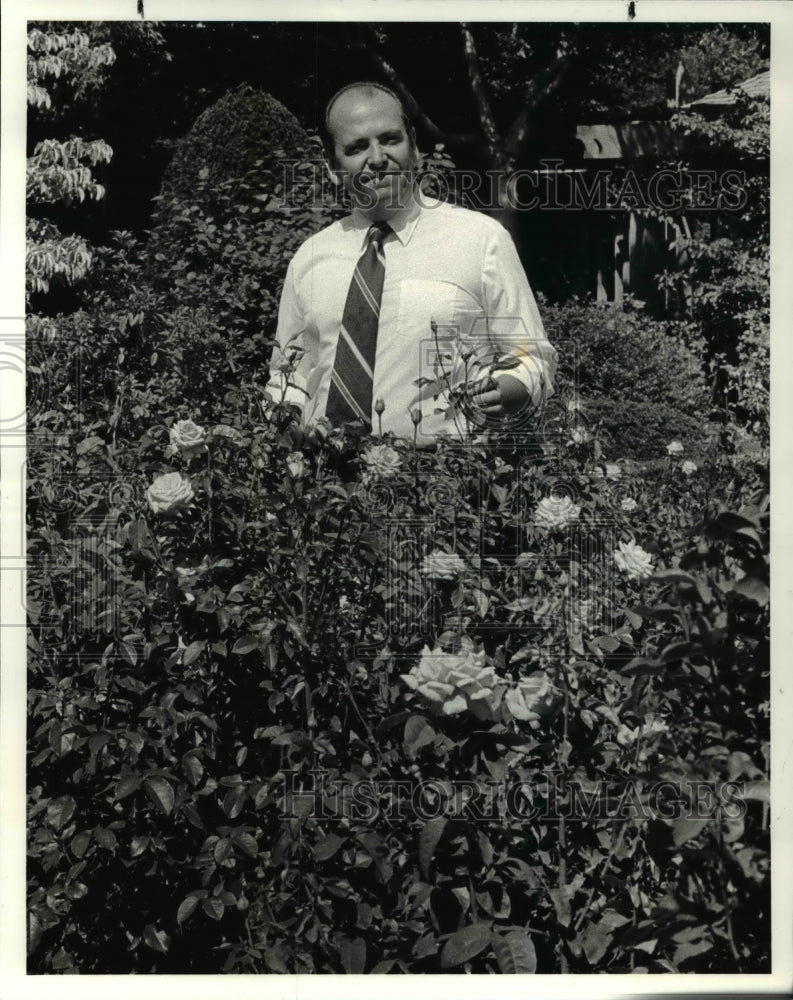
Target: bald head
350 100
371 149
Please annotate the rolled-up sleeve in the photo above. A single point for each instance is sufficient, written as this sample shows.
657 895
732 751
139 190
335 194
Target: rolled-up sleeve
514 324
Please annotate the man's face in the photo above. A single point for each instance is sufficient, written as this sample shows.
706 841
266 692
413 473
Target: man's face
374 158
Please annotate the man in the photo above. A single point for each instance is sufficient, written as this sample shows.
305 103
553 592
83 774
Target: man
408 306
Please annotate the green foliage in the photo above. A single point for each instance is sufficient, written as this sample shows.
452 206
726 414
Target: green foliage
211 270
197 304
60 171
727 277
623 67
202 654
275 699
57 171
52 256
721 58
640 428
638 377
64 51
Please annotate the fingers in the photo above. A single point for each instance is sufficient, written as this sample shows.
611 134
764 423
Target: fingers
486 396
490 402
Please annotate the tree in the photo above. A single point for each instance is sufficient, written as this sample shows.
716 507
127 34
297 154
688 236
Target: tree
61 170
68 68
497 96
720 58
725 265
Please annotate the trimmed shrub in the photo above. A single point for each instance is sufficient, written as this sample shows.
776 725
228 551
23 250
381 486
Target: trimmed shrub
245 130
200 298
638 377
641 429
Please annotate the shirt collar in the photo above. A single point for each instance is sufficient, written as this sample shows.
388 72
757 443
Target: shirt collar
402 223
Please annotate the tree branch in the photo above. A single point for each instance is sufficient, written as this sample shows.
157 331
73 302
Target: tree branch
485 112
538 90
412 107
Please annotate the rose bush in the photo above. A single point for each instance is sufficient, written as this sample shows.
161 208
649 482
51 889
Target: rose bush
274 666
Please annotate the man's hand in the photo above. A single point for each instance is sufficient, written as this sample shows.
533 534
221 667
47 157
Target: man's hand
498 397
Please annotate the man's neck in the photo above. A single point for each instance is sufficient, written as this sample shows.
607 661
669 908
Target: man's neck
395 215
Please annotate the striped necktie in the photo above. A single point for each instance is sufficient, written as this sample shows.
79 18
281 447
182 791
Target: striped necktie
350 396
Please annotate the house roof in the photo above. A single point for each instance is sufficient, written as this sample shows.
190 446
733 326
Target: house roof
757 86
631 139
626 141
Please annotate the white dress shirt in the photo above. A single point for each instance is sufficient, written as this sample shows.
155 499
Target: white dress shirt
444 265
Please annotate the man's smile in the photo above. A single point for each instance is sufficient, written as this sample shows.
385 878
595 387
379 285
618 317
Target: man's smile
379 180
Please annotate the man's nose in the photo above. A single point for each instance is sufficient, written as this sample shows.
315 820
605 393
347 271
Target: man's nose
377 157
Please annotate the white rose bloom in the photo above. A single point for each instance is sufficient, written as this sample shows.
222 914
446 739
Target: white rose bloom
170 492
674 448
555 512
530 696
613 471
187 438
688 468
381 460
633 560
628 504
655 726
296 464
452 680
626 735
442 565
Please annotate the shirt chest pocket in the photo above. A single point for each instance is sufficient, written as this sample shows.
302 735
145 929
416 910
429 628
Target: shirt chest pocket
423 302
453 311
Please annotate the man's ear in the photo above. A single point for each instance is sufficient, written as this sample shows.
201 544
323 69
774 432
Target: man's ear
332 173
415 156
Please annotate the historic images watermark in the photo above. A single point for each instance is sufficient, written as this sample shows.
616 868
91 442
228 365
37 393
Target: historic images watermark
550 187
548 798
